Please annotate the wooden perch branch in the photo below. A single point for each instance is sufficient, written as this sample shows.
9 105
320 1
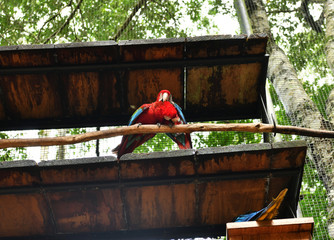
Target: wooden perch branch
188 128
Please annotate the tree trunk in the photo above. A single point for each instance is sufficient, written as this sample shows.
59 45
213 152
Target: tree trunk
298 105
330 107
329 15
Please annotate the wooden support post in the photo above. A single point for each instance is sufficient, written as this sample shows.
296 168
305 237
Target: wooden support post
279 229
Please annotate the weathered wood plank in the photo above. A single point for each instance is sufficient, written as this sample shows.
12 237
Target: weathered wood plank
293 228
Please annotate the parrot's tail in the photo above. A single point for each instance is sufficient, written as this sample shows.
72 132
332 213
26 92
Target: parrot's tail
273 207
116 149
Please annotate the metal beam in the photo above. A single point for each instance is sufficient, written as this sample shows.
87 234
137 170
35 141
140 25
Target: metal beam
149 182
135 65
243 17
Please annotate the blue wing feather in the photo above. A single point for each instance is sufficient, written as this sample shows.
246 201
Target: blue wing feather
179 111
249 217
136 114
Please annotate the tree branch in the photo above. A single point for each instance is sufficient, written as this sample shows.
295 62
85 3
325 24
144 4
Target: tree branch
186 128
309 18
65 23
51 18
139 4
283 11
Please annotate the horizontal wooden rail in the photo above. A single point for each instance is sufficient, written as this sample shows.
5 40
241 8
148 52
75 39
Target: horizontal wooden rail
187 128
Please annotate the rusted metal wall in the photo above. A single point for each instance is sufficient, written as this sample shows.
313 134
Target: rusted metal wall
181 193
103 83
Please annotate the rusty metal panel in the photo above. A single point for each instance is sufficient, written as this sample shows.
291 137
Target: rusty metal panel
97 210
174 164
86 53
79 170
221 201
182 190
221 159
18 174
281 158
151 49
30 96
27 55
110 96
82 93
143 85
24 215
226 45
162 206
102 83
223 88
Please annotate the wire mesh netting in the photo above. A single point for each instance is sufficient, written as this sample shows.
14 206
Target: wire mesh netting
298 28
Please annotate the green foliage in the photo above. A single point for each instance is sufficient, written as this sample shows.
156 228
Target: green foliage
81 149
159 143
319 94
10 154
303 45
314 201
34 22
216 139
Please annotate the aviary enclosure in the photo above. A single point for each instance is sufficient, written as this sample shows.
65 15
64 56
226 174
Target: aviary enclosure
299 77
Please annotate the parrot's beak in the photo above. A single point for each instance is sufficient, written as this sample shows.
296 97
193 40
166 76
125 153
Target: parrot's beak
165 97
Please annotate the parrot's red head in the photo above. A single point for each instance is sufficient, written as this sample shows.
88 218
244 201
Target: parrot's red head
164 95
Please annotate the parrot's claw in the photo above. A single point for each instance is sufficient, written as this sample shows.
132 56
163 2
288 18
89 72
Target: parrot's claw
139 124
159 125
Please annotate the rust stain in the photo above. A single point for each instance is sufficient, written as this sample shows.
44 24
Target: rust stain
23 215
73 175
155 168
242 162
288 158
31 96
88 211
150 53
12 178
87 55
27 58
161 206
212 87
218 200
110 93
82 91
144 85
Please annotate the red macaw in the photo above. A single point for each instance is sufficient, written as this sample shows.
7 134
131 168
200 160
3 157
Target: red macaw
162 111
